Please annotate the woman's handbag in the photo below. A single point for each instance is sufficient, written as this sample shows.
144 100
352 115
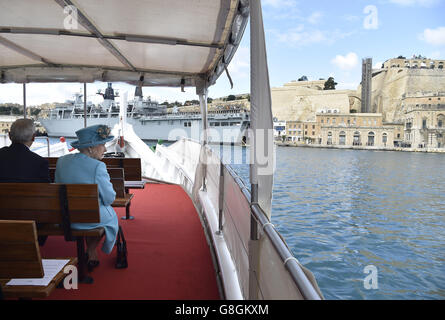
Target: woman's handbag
121 246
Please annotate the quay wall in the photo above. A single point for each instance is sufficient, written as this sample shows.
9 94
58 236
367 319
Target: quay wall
424 150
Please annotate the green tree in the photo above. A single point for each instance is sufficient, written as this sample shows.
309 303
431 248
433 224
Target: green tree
303 78
35 111
231 98
330 84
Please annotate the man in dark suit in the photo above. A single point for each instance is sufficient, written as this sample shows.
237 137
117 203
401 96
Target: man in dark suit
17 162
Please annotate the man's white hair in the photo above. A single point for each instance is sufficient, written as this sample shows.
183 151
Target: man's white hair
22 131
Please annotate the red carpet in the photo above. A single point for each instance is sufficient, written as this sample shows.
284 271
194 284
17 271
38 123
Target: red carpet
168 255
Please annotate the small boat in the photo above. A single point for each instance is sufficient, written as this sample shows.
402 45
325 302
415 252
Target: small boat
199 232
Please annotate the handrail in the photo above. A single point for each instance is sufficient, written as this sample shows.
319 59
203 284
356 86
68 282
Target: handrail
47 142
290 262
288 259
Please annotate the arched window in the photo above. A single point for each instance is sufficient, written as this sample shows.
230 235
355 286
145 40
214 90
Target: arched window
440 121
357 140
342 138
371 137
384 138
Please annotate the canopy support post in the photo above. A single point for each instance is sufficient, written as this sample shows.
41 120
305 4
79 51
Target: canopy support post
24 100
261 138
84 104
202 91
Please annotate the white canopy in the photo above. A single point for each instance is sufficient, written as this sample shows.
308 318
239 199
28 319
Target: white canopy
141 42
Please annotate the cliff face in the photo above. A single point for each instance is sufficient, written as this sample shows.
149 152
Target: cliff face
391 85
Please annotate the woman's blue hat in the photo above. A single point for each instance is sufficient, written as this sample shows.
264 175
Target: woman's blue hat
92 136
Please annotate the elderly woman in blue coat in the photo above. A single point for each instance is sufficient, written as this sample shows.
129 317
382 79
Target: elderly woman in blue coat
86 167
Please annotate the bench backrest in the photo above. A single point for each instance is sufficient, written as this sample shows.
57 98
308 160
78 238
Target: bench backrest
19 253
45 202
118 180
52 161
131 166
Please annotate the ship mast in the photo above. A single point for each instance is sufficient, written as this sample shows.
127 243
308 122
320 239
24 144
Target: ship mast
108 97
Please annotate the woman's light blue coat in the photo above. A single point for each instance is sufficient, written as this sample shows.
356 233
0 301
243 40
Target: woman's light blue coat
79 168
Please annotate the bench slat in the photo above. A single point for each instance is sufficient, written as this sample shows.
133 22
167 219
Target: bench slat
16 237
35 291
40 202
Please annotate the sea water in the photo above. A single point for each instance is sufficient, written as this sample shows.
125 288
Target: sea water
344 212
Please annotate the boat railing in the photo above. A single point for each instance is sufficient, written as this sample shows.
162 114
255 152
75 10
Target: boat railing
223 202
300 279
47 144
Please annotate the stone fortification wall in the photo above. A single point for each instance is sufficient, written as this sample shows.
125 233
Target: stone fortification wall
391 85
299 103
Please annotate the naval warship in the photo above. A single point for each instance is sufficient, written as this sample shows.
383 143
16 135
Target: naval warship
149 119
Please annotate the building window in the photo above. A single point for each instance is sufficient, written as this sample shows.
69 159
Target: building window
424 124
384 139
342 140
313 133
357 140
371 136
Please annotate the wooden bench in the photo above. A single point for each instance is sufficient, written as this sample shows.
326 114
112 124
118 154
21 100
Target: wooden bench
132 170
123 199
20 258
131 166
54 207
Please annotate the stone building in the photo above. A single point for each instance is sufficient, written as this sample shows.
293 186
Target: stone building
424 118
302 131
414 63
279 130
357 129
6 122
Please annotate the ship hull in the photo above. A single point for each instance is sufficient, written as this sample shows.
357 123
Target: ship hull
167 130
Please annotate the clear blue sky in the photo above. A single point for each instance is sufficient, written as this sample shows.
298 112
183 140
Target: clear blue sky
319 38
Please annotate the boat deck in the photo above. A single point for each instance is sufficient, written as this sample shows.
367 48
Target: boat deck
168 254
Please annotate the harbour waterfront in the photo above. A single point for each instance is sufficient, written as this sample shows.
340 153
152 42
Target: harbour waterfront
343 210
